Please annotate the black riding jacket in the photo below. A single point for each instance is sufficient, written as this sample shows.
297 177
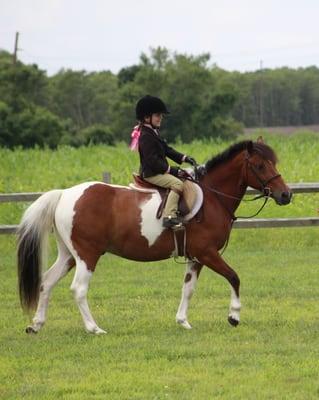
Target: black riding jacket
153 151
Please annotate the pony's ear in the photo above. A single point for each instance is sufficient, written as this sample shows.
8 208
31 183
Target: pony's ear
260 139
250 146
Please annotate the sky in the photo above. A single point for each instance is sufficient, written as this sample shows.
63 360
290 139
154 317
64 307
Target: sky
97 35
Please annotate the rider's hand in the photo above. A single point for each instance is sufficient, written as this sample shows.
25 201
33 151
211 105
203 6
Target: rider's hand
174 171
190 160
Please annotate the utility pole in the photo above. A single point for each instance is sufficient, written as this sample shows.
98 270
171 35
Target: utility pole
15 49
261 95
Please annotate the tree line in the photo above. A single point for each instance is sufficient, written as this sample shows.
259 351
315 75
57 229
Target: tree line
78 108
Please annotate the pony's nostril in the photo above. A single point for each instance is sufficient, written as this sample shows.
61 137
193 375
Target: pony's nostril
286 196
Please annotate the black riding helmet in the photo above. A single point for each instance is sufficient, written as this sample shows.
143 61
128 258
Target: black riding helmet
149 105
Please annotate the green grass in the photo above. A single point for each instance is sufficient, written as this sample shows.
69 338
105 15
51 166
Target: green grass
273 354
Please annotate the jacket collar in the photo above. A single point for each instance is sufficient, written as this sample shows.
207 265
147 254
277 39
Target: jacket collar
150 129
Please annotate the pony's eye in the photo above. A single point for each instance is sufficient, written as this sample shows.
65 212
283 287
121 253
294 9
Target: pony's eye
260 167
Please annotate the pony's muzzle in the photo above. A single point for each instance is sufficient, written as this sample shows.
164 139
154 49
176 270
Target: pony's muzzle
282 198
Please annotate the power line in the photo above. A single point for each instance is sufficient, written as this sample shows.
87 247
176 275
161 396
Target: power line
15 52
261 95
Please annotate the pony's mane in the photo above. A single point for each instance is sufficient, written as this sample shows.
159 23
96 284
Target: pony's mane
262 149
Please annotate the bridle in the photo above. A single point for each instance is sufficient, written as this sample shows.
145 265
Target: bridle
265 190
200 171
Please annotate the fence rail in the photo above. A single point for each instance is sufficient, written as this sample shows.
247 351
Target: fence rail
239 224
295 187
276 222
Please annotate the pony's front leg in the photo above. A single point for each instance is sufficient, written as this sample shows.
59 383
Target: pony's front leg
214 261
190 279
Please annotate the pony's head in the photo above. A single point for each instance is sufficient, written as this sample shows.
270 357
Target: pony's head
257 163
261 172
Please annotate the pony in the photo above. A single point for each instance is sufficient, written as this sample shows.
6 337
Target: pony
92 218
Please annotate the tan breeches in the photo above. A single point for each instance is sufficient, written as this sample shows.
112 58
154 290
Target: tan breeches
171 182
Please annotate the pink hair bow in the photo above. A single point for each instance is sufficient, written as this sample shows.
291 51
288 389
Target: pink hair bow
135 135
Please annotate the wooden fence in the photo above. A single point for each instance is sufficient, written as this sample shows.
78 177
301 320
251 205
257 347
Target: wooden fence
240 223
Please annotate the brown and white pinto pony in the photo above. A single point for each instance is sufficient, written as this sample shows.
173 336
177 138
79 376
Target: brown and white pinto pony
93 218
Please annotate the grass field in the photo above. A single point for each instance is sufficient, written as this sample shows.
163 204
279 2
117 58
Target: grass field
272 354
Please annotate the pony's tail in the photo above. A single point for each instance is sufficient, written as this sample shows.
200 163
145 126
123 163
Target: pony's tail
33 233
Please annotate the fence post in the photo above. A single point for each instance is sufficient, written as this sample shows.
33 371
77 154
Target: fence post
107 177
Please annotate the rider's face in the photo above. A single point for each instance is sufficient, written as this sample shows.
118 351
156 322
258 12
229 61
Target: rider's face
155 119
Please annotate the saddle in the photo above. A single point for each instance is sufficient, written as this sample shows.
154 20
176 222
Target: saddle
186 200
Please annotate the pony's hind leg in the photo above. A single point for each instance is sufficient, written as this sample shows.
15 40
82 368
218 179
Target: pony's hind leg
59 269
190 279
80 287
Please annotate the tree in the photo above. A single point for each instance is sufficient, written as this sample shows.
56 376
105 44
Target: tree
5 134
127 74
97 134
22 84
34 126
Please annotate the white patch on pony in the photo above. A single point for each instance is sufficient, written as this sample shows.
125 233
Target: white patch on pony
65 212
235 306
151 227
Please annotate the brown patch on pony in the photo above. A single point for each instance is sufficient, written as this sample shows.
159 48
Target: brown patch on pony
107 219
89 224
188 277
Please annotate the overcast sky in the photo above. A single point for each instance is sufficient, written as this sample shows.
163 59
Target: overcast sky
97 35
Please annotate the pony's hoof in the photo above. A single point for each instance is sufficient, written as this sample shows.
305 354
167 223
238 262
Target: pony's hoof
96 331
30 330
233 321
100 331
184 323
